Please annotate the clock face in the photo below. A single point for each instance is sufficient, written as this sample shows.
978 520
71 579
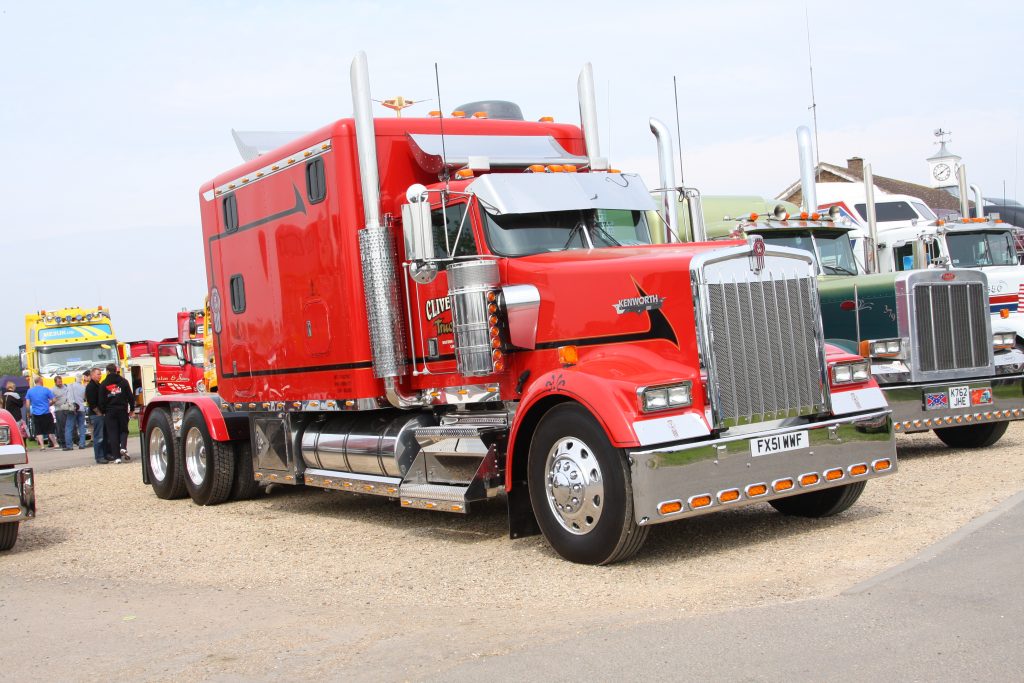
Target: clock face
941 171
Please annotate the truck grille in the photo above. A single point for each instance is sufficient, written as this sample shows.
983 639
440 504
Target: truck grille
765 351
951 323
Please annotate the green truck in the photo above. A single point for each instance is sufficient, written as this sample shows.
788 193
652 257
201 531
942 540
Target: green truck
927 332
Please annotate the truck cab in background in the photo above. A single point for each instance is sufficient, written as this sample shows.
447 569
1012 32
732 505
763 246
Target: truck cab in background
67 342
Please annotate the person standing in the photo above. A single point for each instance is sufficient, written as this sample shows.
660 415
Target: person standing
92 398
40 399
13 403
63 409
75 400
117 403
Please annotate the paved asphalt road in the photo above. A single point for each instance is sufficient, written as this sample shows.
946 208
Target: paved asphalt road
956 612
56 459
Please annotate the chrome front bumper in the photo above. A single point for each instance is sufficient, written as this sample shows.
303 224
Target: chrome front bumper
17 492
723 472
911 414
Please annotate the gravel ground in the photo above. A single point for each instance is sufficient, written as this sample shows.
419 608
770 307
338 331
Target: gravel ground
102 524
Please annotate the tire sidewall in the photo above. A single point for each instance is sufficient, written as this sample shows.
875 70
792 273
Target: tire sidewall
159 420
199 493
595 547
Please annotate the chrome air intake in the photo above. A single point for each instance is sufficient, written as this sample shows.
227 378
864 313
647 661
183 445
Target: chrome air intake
470 285
761 337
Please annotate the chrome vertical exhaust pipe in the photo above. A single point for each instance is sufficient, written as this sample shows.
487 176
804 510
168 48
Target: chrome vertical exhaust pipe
667 180
588 118
978 199
870 246
807 187
366 140
961 177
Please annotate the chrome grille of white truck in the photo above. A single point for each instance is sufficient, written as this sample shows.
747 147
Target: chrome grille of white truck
764 351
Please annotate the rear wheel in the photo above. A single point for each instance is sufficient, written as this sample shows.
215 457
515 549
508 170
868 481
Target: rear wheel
8 535
209 464
972 436
162 462
824 503
244 485
580 489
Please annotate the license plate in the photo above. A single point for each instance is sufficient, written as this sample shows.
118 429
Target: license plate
959 397
769 445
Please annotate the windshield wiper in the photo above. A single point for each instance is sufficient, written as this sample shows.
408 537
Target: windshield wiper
572 233
612 242
839 270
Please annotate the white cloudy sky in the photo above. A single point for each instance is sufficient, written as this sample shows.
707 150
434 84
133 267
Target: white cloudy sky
113 114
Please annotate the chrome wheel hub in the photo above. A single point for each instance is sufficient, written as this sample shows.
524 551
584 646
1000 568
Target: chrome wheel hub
158 454
575 487
195 456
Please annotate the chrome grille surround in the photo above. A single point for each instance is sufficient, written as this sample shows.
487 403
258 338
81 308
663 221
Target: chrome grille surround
949 323
760 335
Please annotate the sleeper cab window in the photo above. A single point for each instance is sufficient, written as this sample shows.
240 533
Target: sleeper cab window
230 213
316 184
237 287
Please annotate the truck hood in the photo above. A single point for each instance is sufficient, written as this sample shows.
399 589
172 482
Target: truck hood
867 300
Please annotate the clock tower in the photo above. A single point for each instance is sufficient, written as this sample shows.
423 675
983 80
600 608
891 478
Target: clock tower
943 164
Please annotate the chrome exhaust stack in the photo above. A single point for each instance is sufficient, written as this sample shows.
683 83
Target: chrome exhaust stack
807 186
870 246
377 250
667 180
961 176
979 212
588 118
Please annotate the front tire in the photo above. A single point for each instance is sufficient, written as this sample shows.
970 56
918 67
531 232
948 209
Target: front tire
8 535
972 436
824 503
162 462
580 489
209 464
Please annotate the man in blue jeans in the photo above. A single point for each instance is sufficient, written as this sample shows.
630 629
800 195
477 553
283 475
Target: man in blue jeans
74 399
92 398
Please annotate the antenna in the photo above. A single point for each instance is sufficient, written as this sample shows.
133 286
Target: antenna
814 103
444 154
679 134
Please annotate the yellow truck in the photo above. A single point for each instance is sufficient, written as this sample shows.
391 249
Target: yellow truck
67 342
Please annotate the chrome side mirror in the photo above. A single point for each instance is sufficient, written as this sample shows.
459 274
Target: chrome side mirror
419 234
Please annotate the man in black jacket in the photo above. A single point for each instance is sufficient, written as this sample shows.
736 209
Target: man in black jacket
92 398
116 404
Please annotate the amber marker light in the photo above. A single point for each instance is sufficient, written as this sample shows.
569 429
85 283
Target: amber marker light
857 470
755 490
882 465
535 168
546 119
464 173
568 355
1004 313
701 501
479 115
781 485
670 507
834 475
10 511
809 479
729 496
458 114
753 217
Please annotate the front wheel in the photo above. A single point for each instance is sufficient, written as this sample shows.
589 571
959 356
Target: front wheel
8 535
209 464
824 503
580 489
162 462
972 436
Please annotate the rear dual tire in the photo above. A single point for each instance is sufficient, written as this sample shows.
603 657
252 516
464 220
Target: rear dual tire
209 465
162 460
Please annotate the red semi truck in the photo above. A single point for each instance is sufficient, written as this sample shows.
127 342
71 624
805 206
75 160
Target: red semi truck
440 311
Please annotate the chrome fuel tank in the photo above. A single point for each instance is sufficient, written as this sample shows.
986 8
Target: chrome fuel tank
382 443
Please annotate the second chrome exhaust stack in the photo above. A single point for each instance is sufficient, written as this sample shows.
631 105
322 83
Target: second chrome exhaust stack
588 118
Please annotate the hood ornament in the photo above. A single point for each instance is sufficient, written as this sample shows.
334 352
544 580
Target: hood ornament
757 254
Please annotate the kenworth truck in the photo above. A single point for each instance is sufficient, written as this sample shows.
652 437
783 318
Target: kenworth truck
927 333
67 342
441 310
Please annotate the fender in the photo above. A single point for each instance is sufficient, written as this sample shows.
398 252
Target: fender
223 426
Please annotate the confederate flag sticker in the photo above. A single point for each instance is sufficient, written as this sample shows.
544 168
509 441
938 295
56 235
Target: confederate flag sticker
936 401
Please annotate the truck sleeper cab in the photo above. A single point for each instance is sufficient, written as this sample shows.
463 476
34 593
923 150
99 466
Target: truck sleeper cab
508 330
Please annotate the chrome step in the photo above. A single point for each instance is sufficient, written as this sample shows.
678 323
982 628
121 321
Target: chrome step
439 497
352 482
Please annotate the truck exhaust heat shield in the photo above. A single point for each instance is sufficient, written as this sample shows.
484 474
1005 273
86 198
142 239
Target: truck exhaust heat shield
469 284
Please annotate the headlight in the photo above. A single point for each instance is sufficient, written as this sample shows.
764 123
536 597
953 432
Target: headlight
887 348
5 435
663 398
850 373
1004 340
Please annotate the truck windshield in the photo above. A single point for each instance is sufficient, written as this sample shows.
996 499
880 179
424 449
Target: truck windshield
197 354
77 357
833 251
534 233
974 249
889 211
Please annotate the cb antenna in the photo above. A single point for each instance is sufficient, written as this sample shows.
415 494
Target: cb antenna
440 109
679 134
814 104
